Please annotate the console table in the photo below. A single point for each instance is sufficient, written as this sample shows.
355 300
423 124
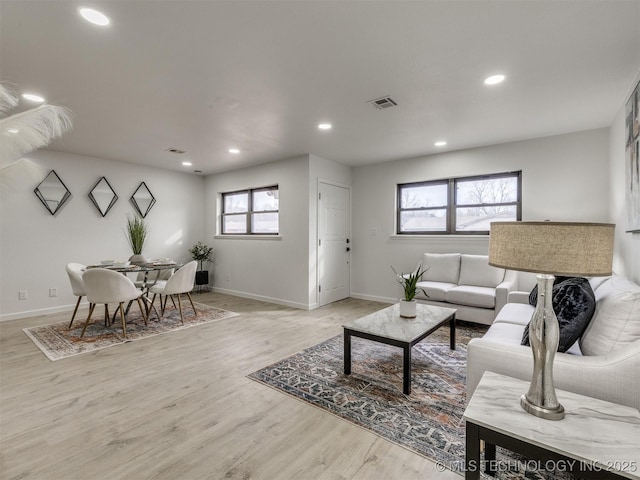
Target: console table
596 439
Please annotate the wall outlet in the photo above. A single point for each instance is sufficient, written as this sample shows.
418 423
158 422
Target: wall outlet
53 292
22 295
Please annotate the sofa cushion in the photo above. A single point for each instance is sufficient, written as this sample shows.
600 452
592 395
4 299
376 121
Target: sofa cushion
441 267
616 321
436 291
595 283
475 270
472 296
516 313
508 333
573 303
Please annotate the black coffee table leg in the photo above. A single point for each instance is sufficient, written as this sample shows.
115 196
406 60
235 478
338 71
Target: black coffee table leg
406 371
347 353
452 333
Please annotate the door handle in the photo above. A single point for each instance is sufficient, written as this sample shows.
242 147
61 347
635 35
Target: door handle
348 249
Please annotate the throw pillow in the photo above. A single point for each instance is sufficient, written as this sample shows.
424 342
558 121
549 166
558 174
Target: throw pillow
573 302
616 322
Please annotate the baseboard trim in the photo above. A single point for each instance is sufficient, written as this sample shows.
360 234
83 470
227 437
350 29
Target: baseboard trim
262 298
374 298
42 311
68 308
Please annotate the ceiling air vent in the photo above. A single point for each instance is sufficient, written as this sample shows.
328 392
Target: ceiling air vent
175 150
384 102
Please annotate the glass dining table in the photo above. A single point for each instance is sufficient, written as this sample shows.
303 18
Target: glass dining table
145 279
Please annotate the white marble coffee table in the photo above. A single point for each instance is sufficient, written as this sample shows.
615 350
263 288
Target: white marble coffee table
387 326
597 439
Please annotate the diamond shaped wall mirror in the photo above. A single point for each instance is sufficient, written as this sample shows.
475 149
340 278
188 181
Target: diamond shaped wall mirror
52 192
142 199
103 196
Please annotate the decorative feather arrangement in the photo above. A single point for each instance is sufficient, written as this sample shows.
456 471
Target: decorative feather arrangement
8 99
26 131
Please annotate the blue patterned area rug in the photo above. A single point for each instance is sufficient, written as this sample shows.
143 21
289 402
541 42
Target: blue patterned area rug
428 421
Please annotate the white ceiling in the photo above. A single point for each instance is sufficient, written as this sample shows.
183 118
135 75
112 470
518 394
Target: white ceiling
204 76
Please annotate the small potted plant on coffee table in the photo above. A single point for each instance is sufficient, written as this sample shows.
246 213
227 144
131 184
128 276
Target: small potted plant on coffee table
201 253
409 282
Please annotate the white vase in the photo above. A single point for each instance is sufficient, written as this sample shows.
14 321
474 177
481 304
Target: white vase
138 260
408 308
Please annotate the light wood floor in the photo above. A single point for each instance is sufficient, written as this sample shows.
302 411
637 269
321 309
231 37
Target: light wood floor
179 406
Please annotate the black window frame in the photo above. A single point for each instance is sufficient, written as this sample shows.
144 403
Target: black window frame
452 205
250 211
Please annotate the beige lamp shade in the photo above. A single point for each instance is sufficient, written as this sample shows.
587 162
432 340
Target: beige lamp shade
558 248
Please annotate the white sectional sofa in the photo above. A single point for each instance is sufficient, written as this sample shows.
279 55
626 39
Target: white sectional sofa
466 282
604 363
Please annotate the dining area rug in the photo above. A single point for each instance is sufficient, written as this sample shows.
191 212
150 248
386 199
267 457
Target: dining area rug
428 421
57 341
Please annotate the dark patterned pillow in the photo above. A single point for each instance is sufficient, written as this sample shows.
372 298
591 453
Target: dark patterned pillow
573 303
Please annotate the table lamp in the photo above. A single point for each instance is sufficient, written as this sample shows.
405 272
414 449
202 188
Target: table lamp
549 248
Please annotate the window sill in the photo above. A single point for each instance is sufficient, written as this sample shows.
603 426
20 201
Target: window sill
431 238
247 237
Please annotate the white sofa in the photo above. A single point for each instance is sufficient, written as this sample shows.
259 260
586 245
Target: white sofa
604 363
466 282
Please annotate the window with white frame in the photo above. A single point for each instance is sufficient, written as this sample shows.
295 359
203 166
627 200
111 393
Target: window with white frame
465 205
250 212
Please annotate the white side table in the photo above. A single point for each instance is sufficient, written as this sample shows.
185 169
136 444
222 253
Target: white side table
596 439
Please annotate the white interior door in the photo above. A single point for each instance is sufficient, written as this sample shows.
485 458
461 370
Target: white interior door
333 243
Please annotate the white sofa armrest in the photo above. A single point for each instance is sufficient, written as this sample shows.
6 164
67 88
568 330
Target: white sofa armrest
503 289
612 377
518 297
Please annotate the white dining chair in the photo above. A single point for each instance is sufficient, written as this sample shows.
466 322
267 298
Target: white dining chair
74 271
106 286
180 282
144 279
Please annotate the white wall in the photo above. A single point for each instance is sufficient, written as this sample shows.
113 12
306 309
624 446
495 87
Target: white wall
35 246
627 245
564 178
273 269
283 269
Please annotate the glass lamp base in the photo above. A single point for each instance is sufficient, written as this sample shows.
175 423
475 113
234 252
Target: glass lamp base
556 413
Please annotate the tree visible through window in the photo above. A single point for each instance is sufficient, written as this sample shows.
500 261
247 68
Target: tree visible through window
251 212
458 205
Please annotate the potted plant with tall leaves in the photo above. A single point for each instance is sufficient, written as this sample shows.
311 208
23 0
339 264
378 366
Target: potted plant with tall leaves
136 233
201 253
409 284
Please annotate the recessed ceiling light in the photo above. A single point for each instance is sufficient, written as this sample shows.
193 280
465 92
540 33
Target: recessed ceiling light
32 97
94 16
13 131
440 143
187 164
324 126
234 151
494 79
